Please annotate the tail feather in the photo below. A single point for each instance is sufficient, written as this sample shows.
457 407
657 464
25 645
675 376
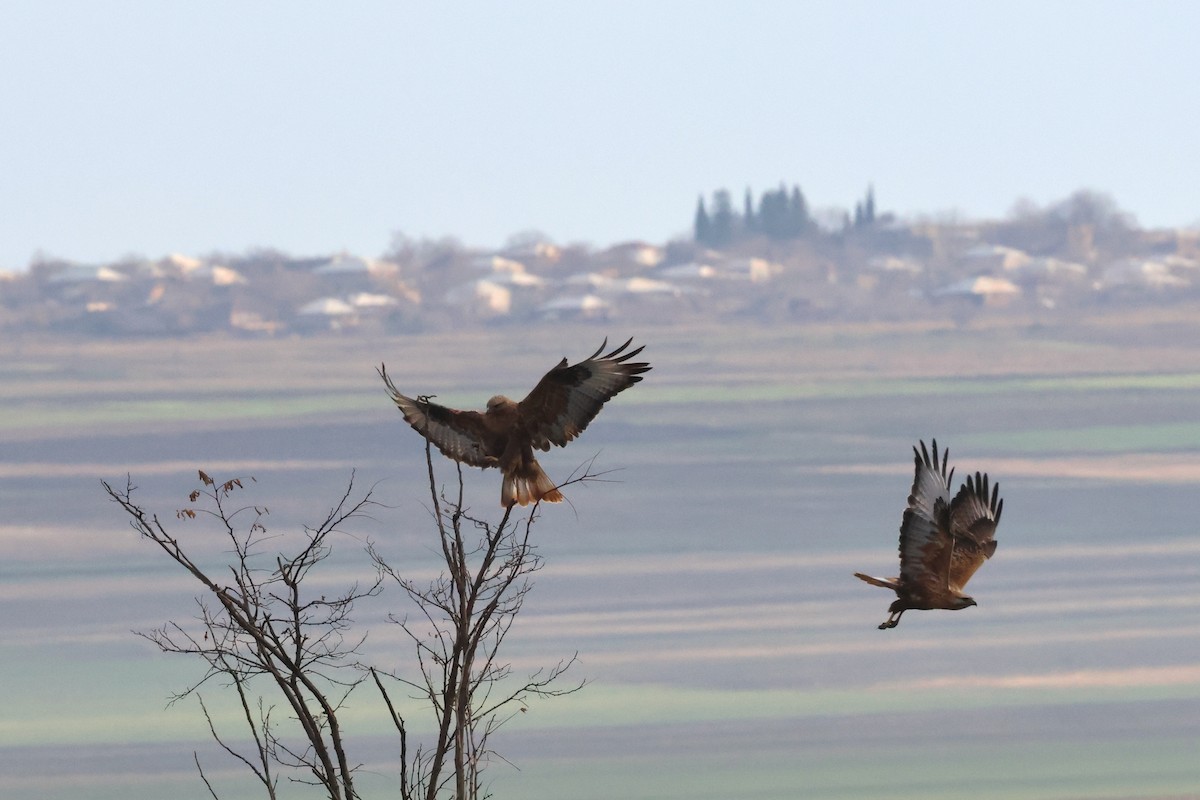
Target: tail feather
886 583
528 484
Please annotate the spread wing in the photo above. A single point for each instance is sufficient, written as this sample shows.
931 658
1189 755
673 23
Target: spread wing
974 516
567 397
925 542
458 434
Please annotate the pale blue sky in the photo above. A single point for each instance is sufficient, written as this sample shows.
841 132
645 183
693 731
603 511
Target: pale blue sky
155 127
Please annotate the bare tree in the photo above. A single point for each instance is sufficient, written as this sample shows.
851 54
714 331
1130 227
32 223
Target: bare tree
266 625
265 632
463 617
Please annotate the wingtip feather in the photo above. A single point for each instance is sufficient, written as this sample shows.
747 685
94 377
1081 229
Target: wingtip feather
599 349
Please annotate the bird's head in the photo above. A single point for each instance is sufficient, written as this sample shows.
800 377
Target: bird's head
963 601
498 402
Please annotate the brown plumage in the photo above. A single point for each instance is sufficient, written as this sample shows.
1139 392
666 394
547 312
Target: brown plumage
565 400
942 541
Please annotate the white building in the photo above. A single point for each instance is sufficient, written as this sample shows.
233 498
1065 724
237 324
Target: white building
984 289
588 306
484 296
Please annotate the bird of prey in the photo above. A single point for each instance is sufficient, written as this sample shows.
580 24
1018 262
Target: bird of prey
562 404
942 541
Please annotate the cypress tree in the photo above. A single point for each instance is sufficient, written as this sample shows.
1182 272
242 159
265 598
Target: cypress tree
722 218
703 225
772 211
798 213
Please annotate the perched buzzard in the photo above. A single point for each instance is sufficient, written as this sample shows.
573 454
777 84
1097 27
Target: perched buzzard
942 541
565 400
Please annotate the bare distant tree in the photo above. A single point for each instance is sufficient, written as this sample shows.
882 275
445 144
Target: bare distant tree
1084 226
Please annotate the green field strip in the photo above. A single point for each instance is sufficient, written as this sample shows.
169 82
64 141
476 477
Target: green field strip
78 409
898 770
731 391
36 714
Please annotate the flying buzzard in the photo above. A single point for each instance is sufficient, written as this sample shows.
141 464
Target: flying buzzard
942 541
565 400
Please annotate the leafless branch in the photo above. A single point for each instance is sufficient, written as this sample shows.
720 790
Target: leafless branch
266 626
260 629
459 623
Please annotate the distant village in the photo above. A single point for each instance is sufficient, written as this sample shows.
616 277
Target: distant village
1078 254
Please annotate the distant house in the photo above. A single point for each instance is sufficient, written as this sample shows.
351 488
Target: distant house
517 278
344 273
86 273
636 254
181 262
384 312
250 322
896 264
326 313
984 290
218 275
326 307
1176 262
499 265
1051 268
691 270
367 300
595 280
535 250
586 306
1142 272
755 270
643 286
483 297
344 264
193 269
994 258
